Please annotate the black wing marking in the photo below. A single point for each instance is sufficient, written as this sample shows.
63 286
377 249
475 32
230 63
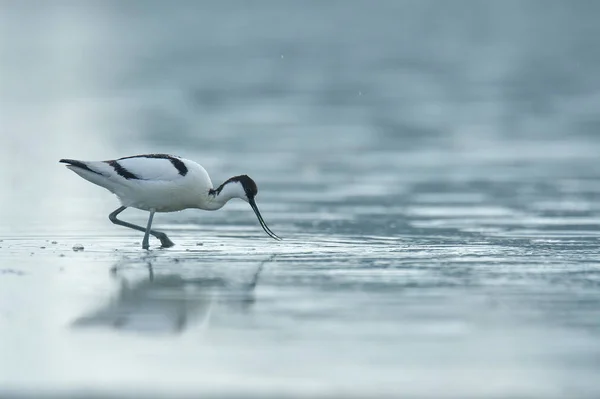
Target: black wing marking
177 163
121 171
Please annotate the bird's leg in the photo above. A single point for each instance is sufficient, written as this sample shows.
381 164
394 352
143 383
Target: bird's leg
145 243
164 240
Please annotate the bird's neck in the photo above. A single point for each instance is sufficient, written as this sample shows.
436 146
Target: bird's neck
215 201
217 198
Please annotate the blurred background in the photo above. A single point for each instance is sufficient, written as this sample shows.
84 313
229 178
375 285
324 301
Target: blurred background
446 153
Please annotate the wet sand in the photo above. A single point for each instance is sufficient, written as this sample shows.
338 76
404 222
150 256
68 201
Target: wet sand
296 318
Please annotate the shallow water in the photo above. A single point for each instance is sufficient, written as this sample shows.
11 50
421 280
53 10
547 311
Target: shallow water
432 170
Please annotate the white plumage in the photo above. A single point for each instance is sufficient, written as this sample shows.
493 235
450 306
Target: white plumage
163 183
157 184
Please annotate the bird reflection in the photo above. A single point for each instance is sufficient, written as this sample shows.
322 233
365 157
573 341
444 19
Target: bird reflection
167 303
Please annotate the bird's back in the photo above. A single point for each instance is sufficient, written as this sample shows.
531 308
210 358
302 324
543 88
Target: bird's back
162 182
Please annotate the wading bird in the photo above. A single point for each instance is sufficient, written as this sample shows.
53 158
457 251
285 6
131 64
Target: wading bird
163 183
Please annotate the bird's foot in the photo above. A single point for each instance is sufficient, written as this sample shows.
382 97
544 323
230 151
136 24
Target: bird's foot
164 241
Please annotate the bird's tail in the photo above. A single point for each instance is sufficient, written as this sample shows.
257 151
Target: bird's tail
92 171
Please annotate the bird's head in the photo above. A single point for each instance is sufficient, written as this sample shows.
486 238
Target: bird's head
245 188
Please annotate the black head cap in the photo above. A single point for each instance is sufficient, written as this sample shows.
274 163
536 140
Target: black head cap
247 183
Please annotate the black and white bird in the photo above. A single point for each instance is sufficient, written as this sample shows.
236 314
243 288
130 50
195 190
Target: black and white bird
163 183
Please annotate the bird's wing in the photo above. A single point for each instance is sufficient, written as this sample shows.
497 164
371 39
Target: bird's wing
147 168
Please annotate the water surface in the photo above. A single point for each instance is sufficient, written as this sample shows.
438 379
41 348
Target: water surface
432 168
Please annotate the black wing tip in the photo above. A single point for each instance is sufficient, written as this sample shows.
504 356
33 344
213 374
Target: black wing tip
78 164
74 162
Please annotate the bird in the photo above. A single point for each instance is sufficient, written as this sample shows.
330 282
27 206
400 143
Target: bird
164 183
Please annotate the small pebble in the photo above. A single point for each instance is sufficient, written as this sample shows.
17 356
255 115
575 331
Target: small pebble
42 247
62 255
78 247
199 244
54 242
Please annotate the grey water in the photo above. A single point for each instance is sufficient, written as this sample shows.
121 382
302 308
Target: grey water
431 165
